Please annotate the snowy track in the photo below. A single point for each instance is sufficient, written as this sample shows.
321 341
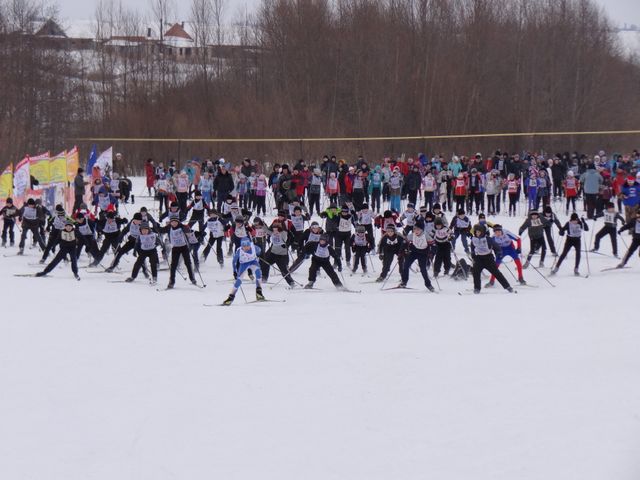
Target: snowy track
117 381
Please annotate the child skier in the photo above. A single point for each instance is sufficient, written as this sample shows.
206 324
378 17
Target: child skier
611 218
245 257
179 248
320 253
417 250
534 225
67 247
391 245
461 226
9 214
145 248
442 237
482 248
504 240
361 243
634 227
574 228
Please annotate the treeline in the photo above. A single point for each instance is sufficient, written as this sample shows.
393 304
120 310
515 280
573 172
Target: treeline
345 68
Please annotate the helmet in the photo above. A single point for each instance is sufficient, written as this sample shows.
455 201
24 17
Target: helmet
324 238
245 242
360 229
144 225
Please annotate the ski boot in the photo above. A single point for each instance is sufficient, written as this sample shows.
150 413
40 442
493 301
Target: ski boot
229 299
554 271
259 295
170 286
476 291
521 281
541 264
380 279
129 280
510 290
41 261
153 281
309 286
430 288
488 284
194 281
576 272
76 276
20 252
4 243
109 269
40 274
402 285
525 265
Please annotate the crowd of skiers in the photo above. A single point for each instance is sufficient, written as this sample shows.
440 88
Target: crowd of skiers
337 215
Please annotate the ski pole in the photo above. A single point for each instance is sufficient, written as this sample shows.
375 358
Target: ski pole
243 295
395 265
587 256
542 275
197 269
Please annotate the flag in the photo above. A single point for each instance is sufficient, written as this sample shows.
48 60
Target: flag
58 168
39 168
22 177
6 183
73 163
105 160
93 156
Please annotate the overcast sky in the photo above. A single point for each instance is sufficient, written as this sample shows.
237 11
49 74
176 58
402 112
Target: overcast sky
620 11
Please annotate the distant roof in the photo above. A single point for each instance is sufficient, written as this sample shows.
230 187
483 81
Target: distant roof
50 29
177 31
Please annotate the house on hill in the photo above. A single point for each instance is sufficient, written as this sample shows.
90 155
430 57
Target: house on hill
178 42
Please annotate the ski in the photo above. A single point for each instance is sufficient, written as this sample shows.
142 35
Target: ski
608 269
26 275
265 301
471 292
397 288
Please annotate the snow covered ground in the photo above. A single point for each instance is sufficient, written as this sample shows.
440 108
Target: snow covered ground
119 381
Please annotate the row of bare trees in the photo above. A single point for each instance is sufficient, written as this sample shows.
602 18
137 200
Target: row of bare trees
340 68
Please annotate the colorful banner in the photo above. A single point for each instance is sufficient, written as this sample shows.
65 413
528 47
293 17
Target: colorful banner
39 168
105 161
73 163
22 177
58 168
6 182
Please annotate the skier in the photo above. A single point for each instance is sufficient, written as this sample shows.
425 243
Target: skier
391 245
442 237
85 234
133 229
278 254
320 253
55 226
408 218
343 235
109 227
244 258
571 187
534 225
145 248
482 248
552 220
179 248
634 227
574 228
611 218
9 213
216 236
504 240
461 226
417 249
361 243
67 247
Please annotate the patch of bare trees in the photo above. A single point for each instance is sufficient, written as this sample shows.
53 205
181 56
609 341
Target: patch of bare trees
348 68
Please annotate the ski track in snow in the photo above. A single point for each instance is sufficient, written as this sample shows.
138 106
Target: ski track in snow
108 381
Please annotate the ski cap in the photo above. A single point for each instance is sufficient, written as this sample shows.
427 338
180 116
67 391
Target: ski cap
245 242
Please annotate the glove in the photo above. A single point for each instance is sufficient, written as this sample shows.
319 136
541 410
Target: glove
619 232
381 257
518 251
235 275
